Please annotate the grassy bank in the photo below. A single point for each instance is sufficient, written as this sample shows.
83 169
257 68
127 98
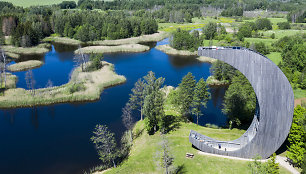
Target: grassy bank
211 80
15 52
83 86
206 59
62 40
11 81
134 40
129 48
22 66
169 50
144 159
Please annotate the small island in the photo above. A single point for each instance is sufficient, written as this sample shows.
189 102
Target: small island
26 65
132 48
83 86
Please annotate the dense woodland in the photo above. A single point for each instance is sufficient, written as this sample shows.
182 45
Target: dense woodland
28 26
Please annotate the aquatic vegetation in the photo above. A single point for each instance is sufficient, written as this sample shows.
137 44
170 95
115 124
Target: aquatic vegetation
39 49
22 66
132 48
134 40
169 50
62 40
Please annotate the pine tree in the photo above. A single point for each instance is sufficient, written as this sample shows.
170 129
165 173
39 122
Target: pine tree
186 90
153 110
137 97
200 98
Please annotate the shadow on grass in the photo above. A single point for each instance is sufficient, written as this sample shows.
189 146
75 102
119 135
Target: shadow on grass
138 133
180 169
171 123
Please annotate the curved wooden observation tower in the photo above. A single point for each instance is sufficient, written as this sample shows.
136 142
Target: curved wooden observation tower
275 103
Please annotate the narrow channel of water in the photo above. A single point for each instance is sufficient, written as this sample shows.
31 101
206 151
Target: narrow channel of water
56 139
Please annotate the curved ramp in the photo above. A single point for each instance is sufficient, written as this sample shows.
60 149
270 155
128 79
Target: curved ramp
275 104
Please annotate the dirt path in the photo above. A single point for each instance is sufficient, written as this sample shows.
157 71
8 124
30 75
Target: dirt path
281 160
299 101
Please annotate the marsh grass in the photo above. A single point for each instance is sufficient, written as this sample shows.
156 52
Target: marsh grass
134 40
93 82
62 40
206 59
39 49
11 81
169 50
212 81
26 65
133 48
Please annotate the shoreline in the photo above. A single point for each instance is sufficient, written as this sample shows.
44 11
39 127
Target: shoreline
26 65
132 40
16 52
169 50
211 81
129 48
91 83
63 40
161 35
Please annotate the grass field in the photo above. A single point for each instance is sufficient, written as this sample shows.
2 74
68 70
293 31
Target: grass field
274 21
170 27
299 93
275 57
266 41
145 158
281 33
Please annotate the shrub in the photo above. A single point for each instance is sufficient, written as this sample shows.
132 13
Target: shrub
283 25
95 62
263 24
76 87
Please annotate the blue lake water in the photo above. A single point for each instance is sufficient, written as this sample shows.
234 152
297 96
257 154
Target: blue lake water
56 139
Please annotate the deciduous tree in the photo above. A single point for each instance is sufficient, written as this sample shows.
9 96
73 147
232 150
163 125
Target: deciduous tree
105 144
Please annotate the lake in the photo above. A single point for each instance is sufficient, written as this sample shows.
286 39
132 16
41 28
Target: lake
56 139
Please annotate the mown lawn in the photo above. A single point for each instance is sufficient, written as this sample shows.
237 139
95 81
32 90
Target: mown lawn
299 93
145 153
281 33
275 57
266 41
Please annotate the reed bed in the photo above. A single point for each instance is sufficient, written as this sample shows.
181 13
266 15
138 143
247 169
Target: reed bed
134 40
62 40
169 50
129 48
26 65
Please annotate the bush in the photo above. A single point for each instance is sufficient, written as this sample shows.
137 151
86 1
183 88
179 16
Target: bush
261 48
76 87
95 62
263 24
283 25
